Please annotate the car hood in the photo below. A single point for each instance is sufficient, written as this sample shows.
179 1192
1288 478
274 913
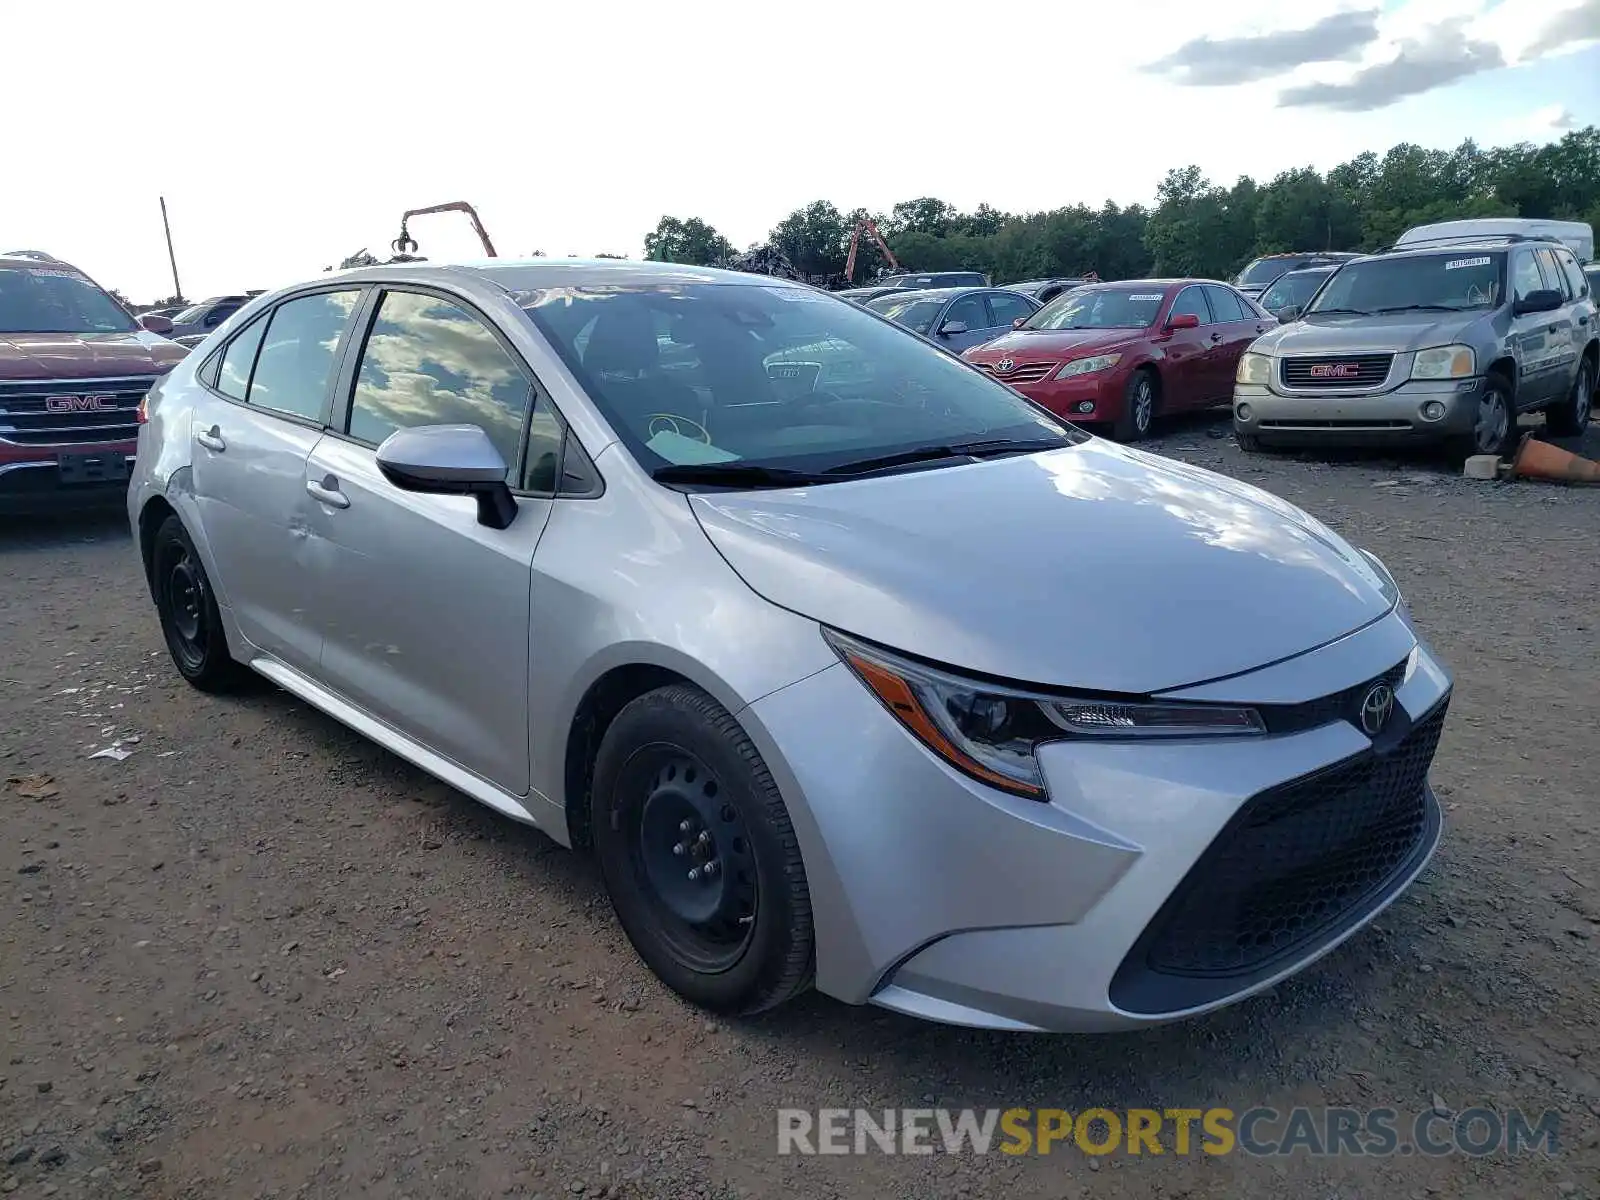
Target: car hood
1053 343
1094 566
1391 333
46 356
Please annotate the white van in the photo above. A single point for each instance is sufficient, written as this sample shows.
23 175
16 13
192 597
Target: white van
1578 236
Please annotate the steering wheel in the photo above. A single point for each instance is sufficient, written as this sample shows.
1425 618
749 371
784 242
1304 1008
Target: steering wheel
672 422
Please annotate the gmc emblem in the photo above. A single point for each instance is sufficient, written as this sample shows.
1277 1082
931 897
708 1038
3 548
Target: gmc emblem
79 403
1335 371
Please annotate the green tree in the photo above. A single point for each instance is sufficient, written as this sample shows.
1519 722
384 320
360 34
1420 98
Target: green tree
692 242
814 239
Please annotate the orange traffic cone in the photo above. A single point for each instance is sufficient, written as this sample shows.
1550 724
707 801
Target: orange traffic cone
1541 460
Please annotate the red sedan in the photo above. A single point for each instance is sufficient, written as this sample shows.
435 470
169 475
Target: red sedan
1122 353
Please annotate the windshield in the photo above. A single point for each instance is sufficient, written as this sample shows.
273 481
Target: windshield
1292 289
770 376
1264 270
1454 279
190 315
57 300
910 311
1099 308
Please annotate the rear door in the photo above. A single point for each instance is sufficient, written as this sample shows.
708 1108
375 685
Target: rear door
1239 326
428 610
268 396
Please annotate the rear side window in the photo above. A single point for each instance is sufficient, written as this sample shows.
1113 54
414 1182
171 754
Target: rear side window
428 361
298 353
1575 279
233 376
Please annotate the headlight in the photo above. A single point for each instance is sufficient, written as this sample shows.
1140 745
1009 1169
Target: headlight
1254 368
1087 366
990 732
1445 362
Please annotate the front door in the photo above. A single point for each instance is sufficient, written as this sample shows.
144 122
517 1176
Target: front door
428 617
1533 335
968 311
1188 372
252 432
1005 309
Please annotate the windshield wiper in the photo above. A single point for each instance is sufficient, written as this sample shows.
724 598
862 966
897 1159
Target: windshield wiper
993 447
1341 312
1394 308
736 474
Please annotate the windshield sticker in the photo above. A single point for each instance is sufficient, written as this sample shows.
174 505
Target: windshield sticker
54 272
1455 264
1157 296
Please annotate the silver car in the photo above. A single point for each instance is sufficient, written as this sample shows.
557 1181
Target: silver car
875 677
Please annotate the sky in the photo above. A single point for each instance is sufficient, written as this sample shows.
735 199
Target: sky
288 136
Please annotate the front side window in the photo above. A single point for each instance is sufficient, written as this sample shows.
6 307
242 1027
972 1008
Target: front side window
1450 280
1555 278
1100 308
298 352
1292 289
429 361
1191 302
51 298
1007 309
785 377
1526 277
969 311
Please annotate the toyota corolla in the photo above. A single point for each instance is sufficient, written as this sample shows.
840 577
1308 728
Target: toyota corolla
849 665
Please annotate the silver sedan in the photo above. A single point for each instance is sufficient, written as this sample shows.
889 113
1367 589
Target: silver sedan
848 664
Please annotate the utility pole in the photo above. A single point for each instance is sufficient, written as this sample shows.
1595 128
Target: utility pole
177 288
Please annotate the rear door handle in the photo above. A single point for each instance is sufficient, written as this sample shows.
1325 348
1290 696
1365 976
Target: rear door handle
328 492
211 439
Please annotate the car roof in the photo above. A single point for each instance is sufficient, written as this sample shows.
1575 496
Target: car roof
1320 269
33 259
1486 244
1310 254
534 273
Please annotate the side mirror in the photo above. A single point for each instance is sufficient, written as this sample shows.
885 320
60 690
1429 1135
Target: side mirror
1542 301
1289 312
1019 322
155 323
450 460
1183 321
951 328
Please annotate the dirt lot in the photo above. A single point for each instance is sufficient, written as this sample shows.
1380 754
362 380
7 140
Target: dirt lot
260 957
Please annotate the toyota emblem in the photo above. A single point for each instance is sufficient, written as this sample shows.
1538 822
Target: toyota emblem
1006 365
1376 706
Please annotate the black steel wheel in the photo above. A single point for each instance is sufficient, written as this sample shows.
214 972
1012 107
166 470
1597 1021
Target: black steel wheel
190 621
698 854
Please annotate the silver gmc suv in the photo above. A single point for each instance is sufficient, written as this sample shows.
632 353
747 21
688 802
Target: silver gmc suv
1443 343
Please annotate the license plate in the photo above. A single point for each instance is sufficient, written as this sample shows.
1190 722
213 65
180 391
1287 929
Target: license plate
93 468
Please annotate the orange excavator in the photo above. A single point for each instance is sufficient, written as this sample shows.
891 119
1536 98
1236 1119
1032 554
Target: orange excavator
865 225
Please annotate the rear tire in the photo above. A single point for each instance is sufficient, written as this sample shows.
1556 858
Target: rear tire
699 856
1138 414
1570 418
190 621
1248 442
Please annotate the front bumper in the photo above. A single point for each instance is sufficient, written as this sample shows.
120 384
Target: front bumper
936 896
1396 416
81 476
1093 397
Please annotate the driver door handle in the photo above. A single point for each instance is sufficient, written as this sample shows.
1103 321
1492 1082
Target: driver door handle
328 492
1216 337
211 439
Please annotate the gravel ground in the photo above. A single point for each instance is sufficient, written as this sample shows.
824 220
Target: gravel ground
260 957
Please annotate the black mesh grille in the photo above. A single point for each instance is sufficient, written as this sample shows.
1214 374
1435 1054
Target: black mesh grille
1295 864
1350 370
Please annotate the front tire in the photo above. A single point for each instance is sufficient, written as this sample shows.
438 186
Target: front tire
1138 406
1570 418
699 856
1494 428
187 608
1248 442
